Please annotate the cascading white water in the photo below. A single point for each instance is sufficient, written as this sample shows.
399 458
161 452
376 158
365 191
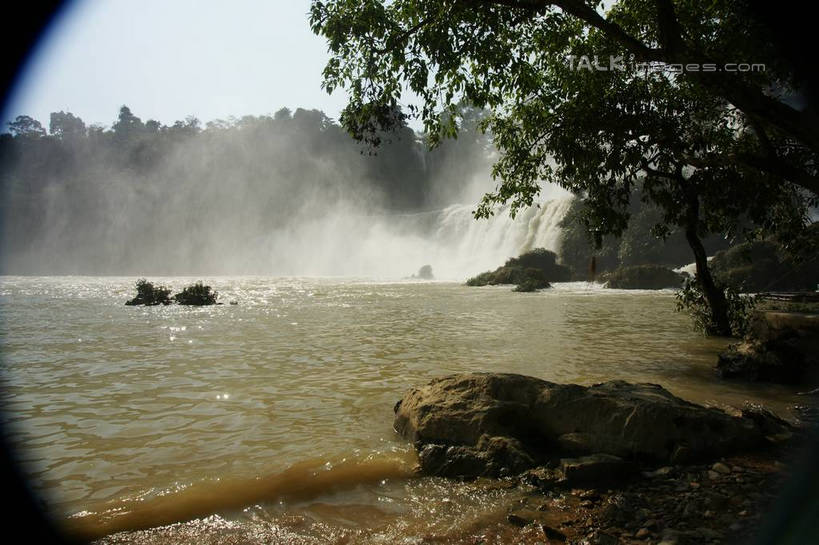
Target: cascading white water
451 240
470 246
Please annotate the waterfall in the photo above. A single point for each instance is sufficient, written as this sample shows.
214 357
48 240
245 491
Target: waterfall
471 246
391 246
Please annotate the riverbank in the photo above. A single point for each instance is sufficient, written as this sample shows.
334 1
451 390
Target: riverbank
613 463
728 501
733 499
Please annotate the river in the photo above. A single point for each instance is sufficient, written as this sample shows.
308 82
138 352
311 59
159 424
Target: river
271 419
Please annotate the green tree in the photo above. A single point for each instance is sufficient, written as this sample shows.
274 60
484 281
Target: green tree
66 125
128 125
25 126
711 149
283 114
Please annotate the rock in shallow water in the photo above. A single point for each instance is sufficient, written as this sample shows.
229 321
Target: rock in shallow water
595 468
780 347
488 424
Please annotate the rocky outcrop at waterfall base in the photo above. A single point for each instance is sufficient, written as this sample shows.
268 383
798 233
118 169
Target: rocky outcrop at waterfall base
642 277
424 273
781 347
486 424
530 271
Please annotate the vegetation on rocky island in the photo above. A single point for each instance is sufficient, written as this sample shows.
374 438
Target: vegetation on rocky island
533 280
642 277
196 295
150 295
531 271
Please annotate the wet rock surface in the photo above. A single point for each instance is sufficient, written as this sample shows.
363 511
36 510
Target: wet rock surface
485 424
781 347
723 502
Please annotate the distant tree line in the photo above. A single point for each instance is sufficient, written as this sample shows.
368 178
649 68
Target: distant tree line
80 198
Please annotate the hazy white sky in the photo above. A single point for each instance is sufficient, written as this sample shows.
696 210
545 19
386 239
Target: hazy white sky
167 59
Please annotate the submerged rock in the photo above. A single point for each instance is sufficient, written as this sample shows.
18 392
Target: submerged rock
485 424
424 273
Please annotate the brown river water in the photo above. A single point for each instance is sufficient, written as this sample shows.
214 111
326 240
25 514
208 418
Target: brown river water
271 420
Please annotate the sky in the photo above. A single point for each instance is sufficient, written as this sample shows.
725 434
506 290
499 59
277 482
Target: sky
170 59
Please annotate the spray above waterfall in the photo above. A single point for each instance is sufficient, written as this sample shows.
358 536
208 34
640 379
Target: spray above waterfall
287 194
392 246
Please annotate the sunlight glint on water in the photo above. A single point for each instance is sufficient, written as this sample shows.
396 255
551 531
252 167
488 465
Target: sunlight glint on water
112 403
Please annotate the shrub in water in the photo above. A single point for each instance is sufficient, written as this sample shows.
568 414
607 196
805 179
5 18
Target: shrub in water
148 294
690 298
197 294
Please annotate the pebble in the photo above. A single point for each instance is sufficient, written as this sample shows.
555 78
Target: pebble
719 467
517 520
708 533
670 537
602 538
675 505
552 534
661 472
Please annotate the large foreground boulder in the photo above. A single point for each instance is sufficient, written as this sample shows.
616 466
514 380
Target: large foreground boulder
486 424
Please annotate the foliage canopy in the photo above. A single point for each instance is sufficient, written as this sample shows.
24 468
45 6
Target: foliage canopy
717 150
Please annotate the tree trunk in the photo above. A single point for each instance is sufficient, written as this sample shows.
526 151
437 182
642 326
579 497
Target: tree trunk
720 325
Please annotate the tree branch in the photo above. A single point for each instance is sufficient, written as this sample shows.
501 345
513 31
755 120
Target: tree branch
395 41
749 99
